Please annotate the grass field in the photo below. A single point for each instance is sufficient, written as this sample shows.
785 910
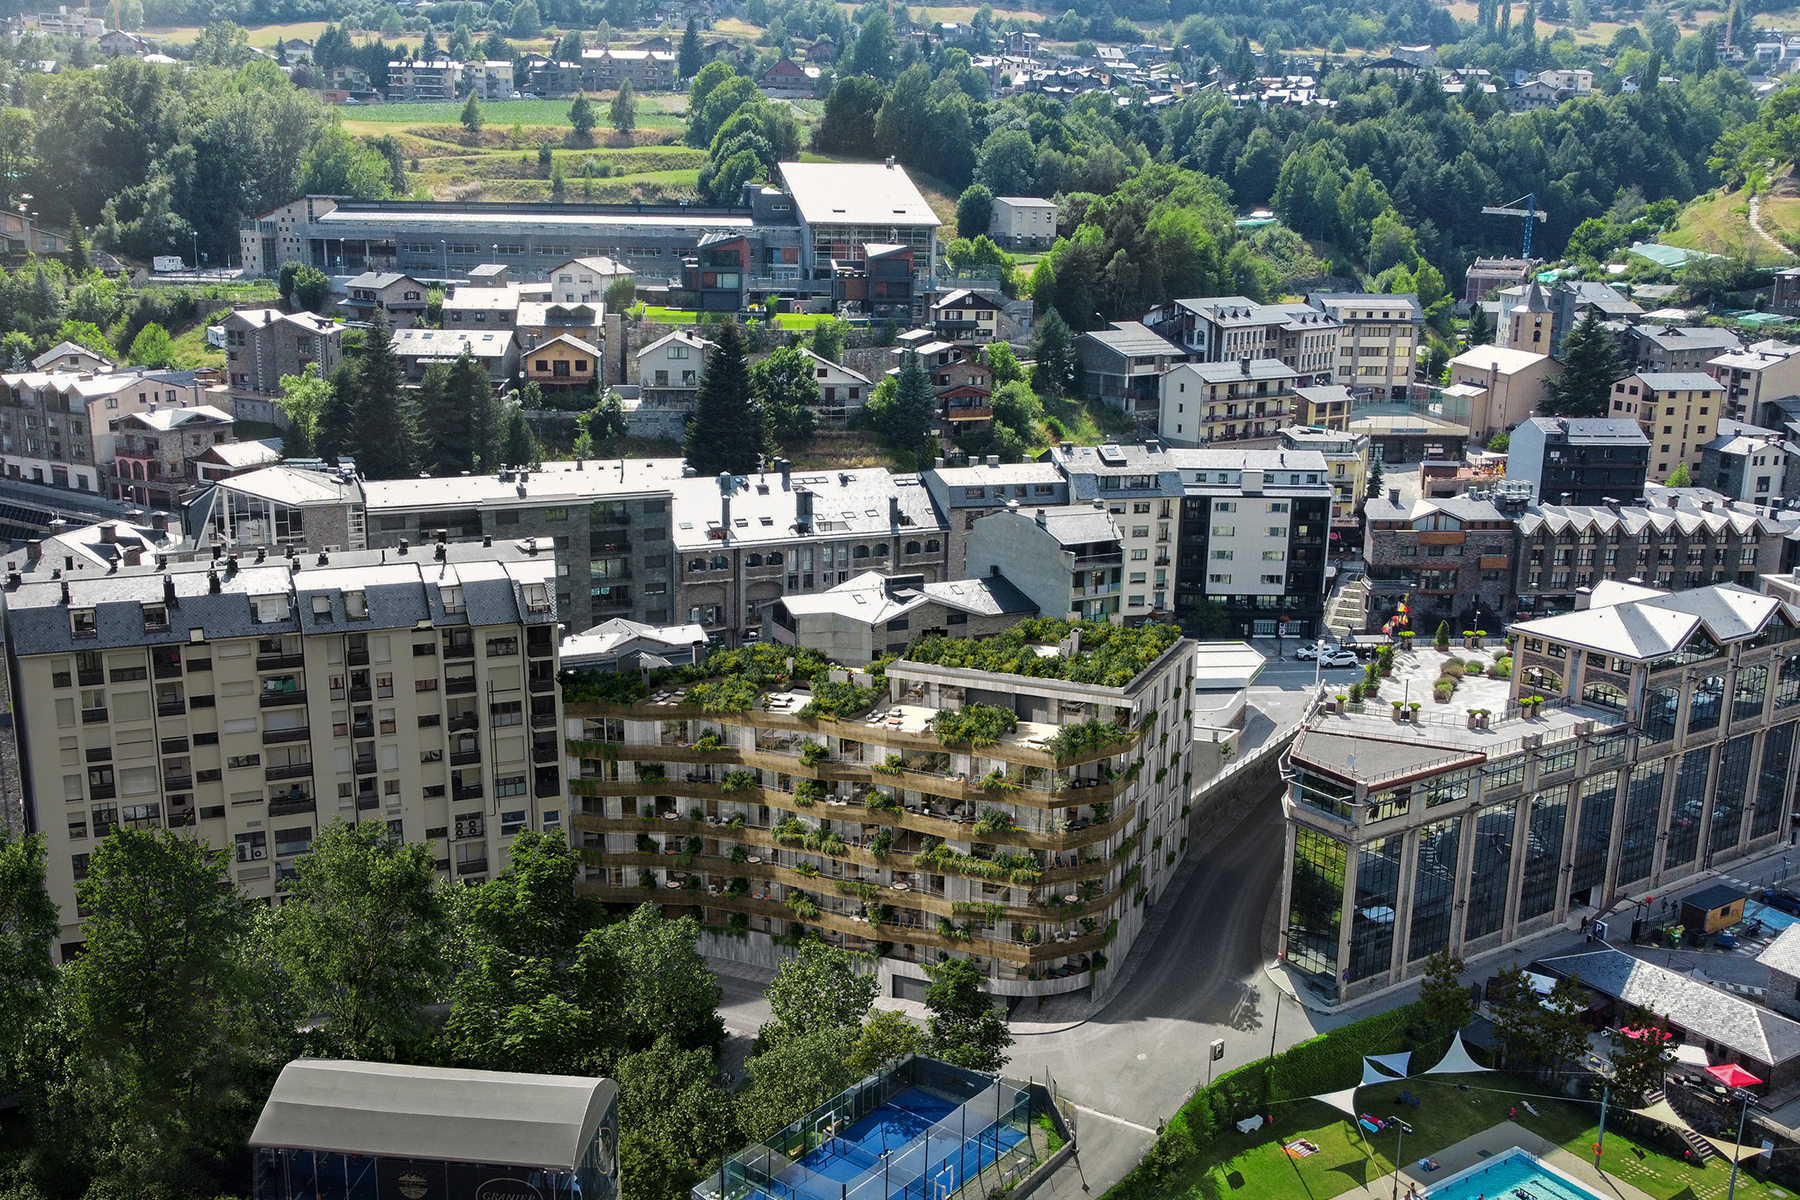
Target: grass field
653 108
1255 1167
1719 221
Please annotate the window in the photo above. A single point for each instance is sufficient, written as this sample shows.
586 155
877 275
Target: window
507 712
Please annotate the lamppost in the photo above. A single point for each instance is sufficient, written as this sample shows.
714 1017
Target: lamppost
1399 1155
1738 1153
1318 661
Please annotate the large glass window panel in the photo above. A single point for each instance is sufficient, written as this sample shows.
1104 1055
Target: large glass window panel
1662 706
1728 794
1490 870
1643 803
1752 687
1377 902
1316 902
1325 794
1787 682
1543 852
1434 888
1689 803
1771 780
1703 708
1598 794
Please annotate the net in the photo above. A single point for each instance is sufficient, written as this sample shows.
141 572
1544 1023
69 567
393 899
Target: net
844 1148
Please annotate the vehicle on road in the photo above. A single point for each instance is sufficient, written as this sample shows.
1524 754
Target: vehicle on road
1338 658
1782 900
1312 650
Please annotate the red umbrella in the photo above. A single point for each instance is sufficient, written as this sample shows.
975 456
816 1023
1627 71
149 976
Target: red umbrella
1646 1032
1732 1075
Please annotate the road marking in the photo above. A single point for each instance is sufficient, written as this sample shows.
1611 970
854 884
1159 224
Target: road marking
1106 1116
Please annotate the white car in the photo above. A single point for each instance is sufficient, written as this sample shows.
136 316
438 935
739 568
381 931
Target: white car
1338 658
1309 650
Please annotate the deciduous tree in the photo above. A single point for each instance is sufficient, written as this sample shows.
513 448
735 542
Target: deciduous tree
581 116
788 391
1443 995
965 1028
303 398
1638 1062
825 987
28 925
669 989
886 1036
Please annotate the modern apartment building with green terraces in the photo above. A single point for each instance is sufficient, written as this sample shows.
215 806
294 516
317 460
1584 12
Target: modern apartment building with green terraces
1018 800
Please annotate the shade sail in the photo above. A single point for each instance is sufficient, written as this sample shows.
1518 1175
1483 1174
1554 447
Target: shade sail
1374 1074
1344 1101
1397 1063
1732 1075
1456 1060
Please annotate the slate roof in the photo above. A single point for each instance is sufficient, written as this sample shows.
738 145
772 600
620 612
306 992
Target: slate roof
1591 431
873 598
1131 338
1751 1030
450 343
1666 381
1687 517
377 280
1647 628
764 512
1685 337
1783 954
388 1109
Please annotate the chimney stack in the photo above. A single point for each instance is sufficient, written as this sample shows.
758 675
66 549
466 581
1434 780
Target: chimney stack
993 460
34 550
169 590
1043 519
109 533
212 580
893 510
1394 497
159 521
803 506
1584 596
787 472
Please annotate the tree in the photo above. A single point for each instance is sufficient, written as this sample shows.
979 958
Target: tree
607 423
669 989
674 1120
793 1077
1500 443
1017 408
964 1029
1005 364
624 109
828 339
1444 997
621 294
688 62
1680 477
77 258
312 288
387 428
581 116
362 936
1056 368
335 434
526 24
727 432
1481 328
788 392
519 447
974 210
28 925
848 125
915 406
825 987
1513 1006
1639 1057
85 333
303 399
152 348
875 45
155 983
886 1035
1373 490
1591 362
1562 1037
471 114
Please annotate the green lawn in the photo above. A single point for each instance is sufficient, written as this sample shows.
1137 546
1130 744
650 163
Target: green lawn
1255 1167
688 316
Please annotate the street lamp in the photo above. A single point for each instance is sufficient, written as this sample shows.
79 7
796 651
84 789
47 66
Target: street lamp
1318 661
1738 1153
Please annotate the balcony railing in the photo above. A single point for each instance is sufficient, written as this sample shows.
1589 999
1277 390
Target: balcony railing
464 721
273 737
177 783
288 771
467 651
542 685
171 708
364 764
287 806
282 699
1114 558
466 791
357 658
471 866
362 693
273 662
459 687
103 791
464 758
93 716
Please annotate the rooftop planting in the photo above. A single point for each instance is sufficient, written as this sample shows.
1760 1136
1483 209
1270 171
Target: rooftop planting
733 680
1110 656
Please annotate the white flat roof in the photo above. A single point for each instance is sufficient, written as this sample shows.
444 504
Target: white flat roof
856 194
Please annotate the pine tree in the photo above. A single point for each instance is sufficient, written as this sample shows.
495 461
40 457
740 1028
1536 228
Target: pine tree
471 114
336 432
915 406
443 430
1591 363
387 427
521 445
1481 328
727 430
1372 490
581 116
689 63
624 109
78 251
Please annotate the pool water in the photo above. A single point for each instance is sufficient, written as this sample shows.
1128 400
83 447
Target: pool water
1512 1176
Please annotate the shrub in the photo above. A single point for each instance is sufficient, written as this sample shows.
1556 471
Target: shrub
973 724
645 844
808 792
831 700
737 781
993 820
596 687
999 781
813 752
857 888
882 843
723 696
710 743
1073 740
804 906
1503 667
1453 669
891 765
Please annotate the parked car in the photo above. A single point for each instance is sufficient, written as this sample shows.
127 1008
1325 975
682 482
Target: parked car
1338 658
1782 900
1311 650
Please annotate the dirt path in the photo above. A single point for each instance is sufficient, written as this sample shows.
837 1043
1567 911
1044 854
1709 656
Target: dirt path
1756 224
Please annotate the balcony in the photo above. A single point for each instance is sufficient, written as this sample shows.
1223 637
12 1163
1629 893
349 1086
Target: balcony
100 754
274 737
543 720
465 791
541 685
463 721
364 764
465 758
282 699
362 729
1110 558
548 752
171 708
366 801
287 806
177 783
460 687
289 771
968 414
471 866
362 693
93 716
548 789
539 649
102 791
356 658
166 670
274 662
467 651
90 678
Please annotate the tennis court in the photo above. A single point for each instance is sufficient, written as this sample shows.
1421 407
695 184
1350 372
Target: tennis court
920 1140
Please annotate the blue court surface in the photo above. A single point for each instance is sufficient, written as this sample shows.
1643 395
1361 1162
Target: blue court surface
917 1146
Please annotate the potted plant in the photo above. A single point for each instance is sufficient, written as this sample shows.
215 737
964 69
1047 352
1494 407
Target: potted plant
1474 718
1399 711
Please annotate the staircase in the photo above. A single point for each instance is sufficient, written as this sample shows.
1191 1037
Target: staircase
1348 607
1704 1151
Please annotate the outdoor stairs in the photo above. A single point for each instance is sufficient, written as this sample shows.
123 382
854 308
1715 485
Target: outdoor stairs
1348 607
1704 1150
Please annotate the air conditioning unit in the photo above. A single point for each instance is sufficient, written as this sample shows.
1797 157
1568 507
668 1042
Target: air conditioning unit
258 852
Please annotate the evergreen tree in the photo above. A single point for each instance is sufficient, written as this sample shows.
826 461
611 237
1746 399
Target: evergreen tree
1591 362
443 432
1373 489
387 426
78 251
727 432
624 109
1444 997
581 116
915 406
1680 477
519 448
336 431
1053 348
1481 328
471 114
689 63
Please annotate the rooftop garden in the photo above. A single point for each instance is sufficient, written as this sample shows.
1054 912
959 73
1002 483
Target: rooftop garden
729 681
1110 655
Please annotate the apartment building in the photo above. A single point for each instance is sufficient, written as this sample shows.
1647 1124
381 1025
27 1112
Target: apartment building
1219 329
1252 535
154 452
883 837
496 352
872 614
1141 487
1747 463
1068 561
45 434
1326 407
1763 372
1022 222
1671 348
1123 365
584 280
180 695
604 70
423 81
1493 388
1489 275
1346 469
1571 460
1449 559
1680 412
263 344
1378 345
966 494
474 306
400 296
968 315
308 508
1666 749
1208 403
1675 539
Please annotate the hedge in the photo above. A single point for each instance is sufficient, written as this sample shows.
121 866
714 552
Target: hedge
1326 1063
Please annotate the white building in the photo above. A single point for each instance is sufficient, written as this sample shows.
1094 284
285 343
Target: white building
1022 222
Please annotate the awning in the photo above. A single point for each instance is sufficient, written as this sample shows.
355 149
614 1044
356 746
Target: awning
1693 1056
1732 1075
1344 1101
1397 1063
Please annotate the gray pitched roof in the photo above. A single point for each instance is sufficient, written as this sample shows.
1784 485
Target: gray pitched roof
387 1109
1783 954
1653 627
1751 1030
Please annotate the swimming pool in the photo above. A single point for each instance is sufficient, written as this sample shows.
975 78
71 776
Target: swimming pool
1515 1175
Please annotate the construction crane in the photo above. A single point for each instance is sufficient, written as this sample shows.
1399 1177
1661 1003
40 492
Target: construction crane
1531 212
